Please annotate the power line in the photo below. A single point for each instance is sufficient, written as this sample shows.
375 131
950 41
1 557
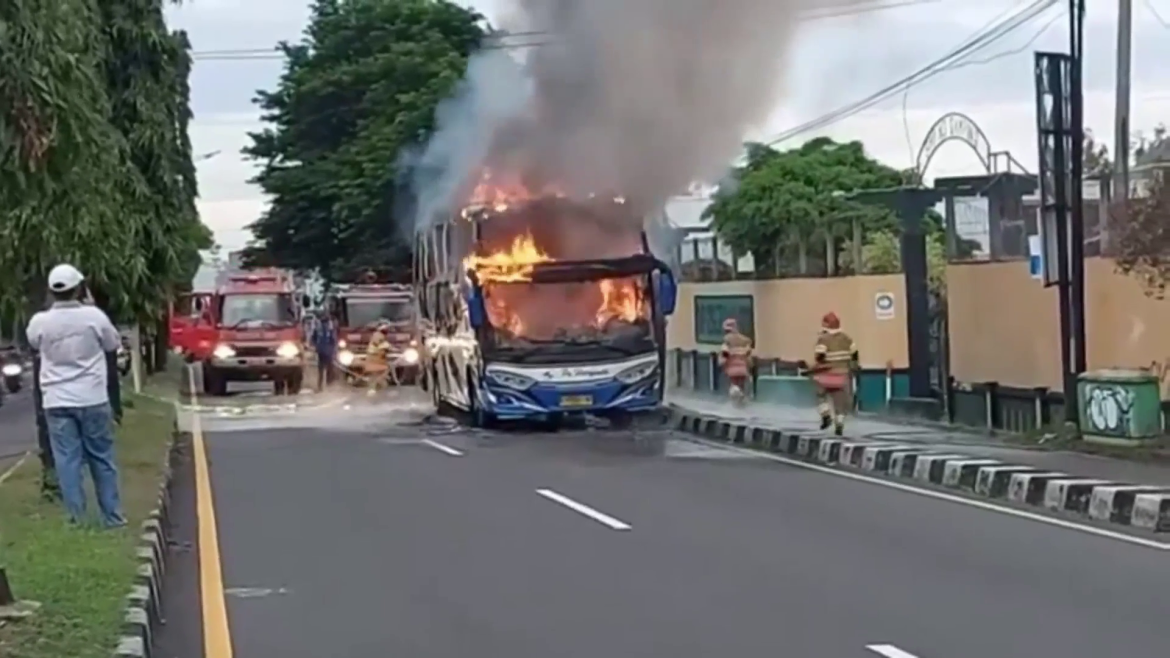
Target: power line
1157 15
537 38
959 56
977 62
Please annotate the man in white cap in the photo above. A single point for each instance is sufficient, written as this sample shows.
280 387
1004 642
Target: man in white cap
72 340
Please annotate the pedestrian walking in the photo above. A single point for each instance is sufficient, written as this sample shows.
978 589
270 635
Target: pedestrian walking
325 344
74 342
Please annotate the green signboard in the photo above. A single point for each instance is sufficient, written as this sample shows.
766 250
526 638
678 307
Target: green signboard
712 310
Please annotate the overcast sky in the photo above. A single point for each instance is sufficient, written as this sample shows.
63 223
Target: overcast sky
835 62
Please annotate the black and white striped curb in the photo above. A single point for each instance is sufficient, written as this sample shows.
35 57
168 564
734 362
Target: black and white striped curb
144 614
1140 506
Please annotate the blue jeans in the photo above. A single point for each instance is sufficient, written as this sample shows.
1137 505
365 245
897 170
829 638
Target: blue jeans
85 436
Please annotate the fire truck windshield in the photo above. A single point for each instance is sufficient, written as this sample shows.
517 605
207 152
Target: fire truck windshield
366 312
242 309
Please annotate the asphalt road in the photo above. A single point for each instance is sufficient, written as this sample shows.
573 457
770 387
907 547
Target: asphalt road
18 430
355 539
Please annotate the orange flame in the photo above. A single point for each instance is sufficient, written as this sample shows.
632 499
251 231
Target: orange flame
501 192
619 301
543 311
511 265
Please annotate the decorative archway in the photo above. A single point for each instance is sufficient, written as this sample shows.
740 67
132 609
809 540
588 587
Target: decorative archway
956 126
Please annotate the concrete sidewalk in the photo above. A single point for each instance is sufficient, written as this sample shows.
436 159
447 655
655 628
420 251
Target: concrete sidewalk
805 421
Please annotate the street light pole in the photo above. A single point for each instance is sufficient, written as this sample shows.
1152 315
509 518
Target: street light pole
1121 112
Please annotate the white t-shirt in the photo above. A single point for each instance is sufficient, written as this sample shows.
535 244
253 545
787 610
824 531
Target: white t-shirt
72 340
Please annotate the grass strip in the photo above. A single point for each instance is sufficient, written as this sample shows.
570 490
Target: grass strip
79 575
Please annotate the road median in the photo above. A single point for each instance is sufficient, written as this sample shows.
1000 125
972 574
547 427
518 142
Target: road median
1014 478
97 589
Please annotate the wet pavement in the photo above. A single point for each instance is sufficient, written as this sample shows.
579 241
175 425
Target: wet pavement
968 443
362 529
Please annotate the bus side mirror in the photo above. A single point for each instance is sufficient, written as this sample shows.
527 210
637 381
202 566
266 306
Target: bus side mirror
667 292
476 310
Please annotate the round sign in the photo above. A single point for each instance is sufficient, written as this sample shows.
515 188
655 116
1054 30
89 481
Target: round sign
884 301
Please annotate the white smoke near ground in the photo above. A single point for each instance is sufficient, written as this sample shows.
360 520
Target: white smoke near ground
634 98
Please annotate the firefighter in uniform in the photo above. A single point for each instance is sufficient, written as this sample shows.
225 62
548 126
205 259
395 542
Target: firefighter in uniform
377 366
736 358
836 356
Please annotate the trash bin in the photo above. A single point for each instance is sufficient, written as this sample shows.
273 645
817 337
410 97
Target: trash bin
1122 407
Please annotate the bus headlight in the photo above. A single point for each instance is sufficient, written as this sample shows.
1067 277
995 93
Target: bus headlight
636 373
511 380
410 356
223 352
345 358
288 350
12 369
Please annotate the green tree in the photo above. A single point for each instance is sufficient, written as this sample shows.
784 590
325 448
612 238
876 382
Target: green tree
1096 158
1141 237
780 203
882 254
360 88
63 171
147 71
74 163
1141 142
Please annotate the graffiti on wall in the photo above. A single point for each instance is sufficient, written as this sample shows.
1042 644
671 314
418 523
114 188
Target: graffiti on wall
1108 409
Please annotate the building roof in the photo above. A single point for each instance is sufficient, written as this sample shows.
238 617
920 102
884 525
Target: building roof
1157 156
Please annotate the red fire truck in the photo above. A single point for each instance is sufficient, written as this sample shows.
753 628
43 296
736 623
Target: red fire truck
248 330
359 309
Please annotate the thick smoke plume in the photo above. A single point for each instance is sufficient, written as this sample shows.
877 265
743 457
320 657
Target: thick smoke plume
636 98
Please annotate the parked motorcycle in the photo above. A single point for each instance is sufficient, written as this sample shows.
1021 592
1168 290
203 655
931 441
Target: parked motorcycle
13 373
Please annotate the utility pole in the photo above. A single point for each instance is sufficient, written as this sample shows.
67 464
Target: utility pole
1076 233
1121 112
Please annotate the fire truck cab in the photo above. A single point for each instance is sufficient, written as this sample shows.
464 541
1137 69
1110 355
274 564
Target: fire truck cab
359 309
254 326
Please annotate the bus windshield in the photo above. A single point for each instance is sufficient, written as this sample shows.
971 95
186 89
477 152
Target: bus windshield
581 320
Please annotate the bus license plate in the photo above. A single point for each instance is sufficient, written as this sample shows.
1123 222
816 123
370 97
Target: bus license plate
576 400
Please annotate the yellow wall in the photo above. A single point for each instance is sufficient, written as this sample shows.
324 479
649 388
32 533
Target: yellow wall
1005 326
788 315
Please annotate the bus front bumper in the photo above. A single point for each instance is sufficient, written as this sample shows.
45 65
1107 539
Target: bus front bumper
605 398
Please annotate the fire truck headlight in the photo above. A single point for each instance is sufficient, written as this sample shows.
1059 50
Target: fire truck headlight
288 350
345 358
223 352
410 355
341 344
636 373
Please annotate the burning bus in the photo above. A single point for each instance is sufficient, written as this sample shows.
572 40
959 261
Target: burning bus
538 308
